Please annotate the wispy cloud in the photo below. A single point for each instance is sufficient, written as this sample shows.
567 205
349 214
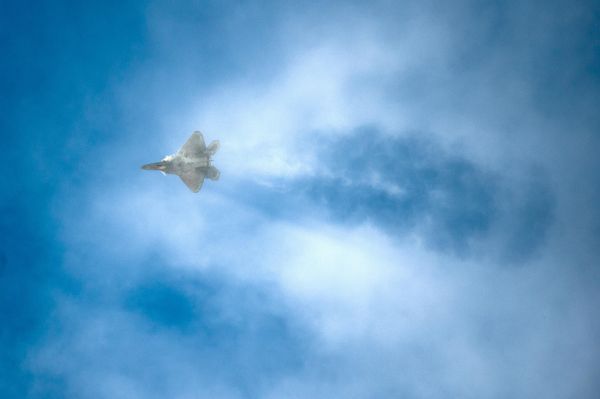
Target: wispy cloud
403 211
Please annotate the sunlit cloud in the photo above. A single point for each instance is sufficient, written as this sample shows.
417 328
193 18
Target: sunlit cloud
407 208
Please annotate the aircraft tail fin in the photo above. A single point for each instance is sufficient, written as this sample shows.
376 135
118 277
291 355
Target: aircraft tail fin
213 173
213 147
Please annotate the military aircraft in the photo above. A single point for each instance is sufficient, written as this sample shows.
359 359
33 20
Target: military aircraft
192 163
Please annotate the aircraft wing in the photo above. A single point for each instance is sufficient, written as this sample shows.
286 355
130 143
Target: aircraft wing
194 146
193 180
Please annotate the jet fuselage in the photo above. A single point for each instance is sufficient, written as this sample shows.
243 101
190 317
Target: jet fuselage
192 163
177 164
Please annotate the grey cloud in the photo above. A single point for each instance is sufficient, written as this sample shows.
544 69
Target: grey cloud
169 334
138 331
408 183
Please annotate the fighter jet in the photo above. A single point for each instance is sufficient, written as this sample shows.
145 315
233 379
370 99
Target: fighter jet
192 163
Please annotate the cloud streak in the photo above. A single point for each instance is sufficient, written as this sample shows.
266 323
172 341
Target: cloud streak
400 213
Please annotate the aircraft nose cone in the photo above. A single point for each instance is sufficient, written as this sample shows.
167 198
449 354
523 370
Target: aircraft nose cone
154 166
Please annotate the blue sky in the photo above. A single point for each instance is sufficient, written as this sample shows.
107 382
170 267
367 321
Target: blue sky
408 202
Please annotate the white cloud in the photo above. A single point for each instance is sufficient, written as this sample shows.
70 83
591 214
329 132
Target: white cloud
269 127
383 310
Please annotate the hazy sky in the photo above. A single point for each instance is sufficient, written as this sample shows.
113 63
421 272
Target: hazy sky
408 202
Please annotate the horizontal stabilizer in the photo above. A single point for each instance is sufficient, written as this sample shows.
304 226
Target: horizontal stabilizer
213 147
213 173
